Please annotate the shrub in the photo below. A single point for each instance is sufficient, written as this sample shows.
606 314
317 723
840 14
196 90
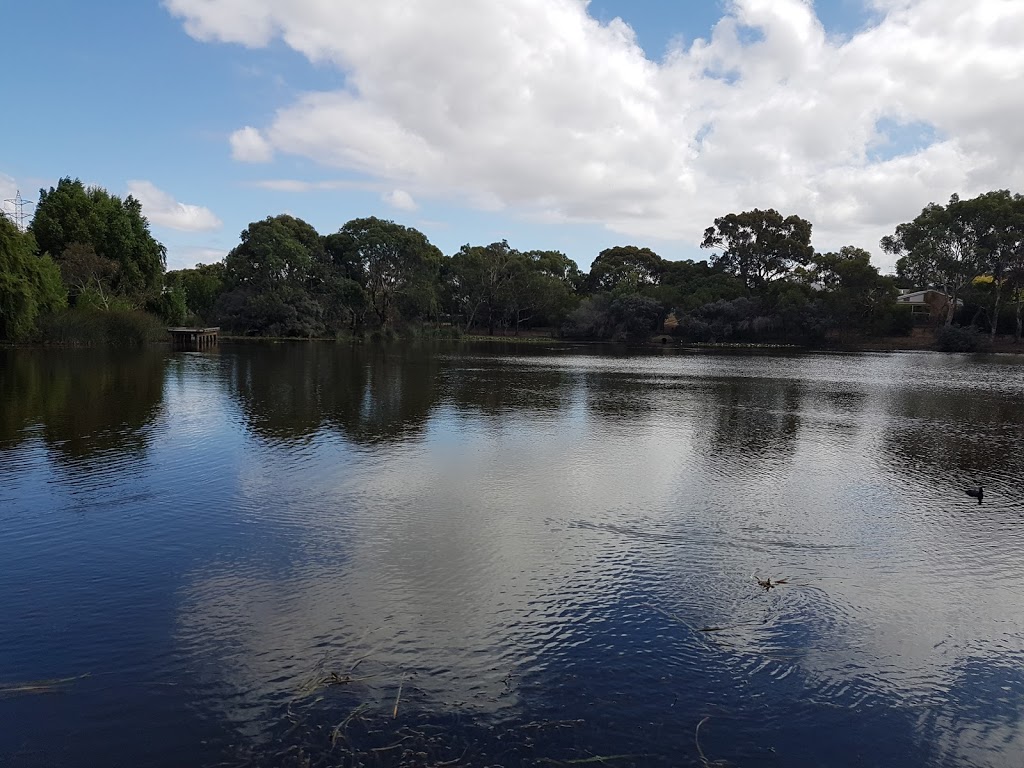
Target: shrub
93 327
893 320
955 338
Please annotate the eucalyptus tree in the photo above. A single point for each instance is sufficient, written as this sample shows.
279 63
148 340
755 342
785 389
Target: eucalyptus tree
478 282
943 247
855 292
759 246
1001 216
625 268
398 267
270 278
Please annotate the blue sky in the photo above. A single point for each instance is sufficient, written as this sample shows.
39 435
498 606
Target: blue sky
145 96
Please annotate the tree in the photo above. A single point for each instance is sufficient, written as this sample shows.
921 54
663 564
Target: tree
759 246
629 317
202 285
1000 217
277 251
30 285
72 214
856 296
88 275
942 247
539 288
687 285
398 266
625 268
478 275
270 276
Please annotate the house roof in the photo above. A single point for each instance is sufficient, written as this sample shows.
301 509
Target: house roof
919 297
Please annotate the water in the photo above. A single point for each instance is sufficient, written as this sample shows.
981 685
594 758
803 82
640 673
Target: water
519 551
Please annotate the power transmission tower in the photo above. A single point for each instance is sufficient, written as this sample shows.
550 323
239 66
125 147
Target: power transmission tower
17 214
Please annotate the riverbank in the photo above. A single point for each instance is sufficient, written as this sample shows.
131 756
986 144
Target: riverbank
924 340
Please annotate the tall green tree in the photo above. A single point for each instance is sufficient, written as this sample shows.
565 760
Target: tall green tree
478 276
944 247
856 297
540 289
626 269
397 265
1000 218
277 251
30 285
202 285
271 279
71 216
759 246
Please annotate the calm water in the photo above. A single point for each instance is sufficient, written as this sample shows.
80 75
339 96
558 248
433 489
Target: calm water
272 554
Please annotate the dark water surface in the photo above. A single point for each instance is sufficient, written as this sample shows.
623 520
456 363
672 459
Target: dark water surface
251 556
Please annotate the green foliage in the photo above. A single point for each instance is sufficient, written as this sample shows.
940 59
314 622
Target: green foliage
277 251
270 277
172 305
496 286
99 327
603 316
202 286
375 278
856 298
949 246
625 269
71 217
891 320
30 285
477 277
759 246
955 338
397 264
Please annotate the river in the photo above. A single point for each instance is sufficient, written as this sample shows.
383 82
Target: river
311 554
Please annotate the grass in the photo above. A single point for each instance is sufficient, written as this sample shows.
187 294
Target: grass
513 339
96 328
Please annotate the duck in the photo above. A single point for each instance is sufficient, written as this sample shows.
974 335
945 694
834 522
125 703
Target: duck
976 493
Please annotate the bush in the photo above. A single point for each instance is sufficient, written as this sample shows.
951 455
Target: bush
955 338
93 327
893 320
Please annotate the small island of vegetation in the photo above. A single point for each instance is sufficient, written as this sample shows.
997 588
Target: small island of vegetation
88 271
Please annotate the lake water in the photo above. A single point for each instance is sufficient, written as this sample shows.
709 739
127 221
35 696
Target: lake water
319 555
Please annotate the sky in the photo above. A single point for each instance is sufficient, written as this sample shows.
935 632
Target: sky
554 124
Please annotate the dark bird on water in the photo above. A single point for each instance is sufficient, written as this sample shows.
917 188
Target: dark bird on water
976 493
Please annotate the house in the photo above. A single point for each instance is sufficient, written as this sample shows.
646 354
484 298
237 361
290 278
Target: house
928 305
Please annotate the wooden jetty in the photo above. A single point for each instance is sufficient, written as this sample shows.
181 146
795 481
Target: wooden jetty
193 338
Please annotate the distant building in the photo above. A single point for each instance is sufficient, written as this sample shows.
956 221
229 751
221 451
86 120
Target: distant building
927 306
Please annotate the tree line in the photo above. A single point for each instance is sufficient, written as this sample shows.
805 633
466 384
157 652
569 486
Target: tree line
90 252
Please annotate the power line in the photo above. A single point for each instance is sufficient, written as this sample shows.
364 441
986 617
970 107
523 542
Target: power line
17 215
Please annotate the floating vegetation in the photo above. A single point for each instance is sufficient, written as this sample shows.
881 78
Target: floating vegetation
398 699
704 761
352 725
36 687
768 585
592 760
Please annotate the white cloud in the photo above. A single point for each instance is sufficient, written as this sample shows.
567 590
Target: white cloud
300 185
8 186
249 146
162 209
9 191
186 257
534 106
400 199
